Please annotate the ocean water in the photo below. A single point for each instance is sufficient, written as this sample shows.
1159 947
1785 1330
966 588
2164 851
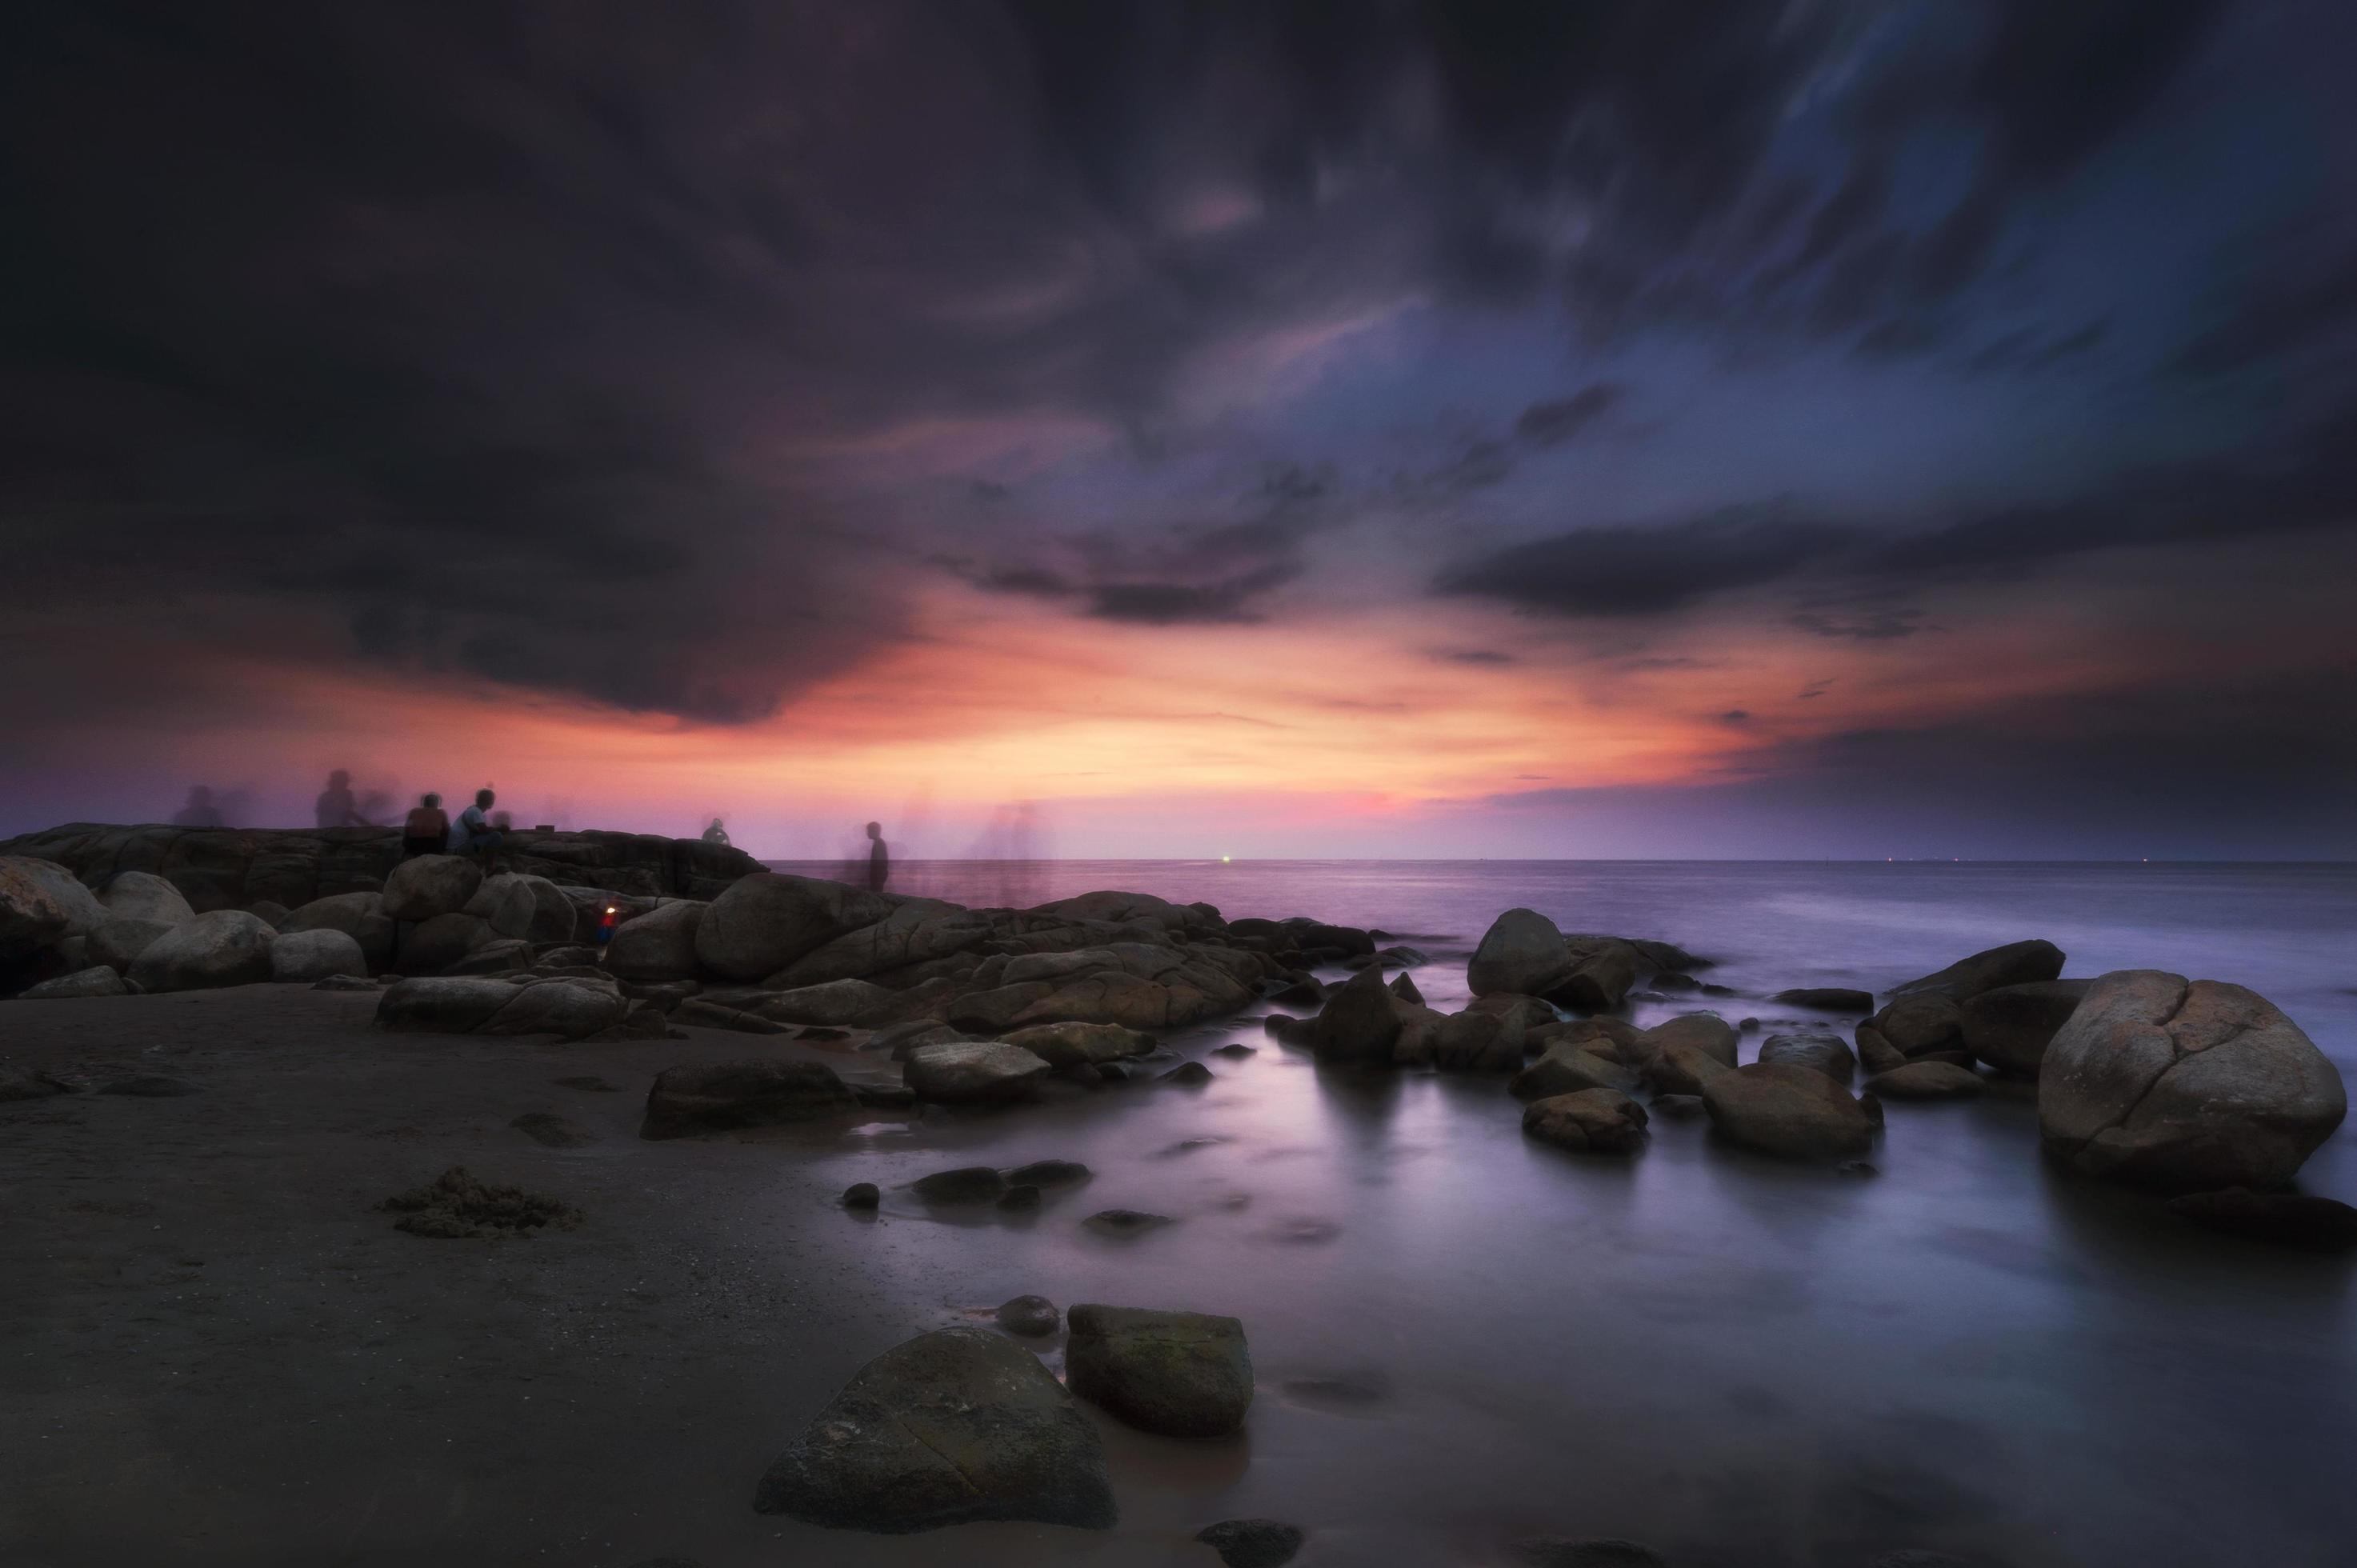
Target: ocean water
1461 1338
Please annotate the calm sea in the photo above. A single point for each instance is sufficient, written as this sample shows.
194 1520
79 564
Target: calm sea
1461 1338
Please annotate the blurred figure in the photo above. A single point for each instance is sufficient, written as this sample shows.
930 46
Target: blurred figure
201 811
427 830
716 834
337 806
605 924
473 833
879 861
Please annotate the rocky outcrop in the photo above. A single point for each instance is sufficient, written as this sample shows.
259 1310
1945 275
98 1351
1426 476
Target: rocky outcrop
418 890
952 1427
1524 952
1072 1045
1591 1121
41 904
973 1073
1926 1080
730 1096
1360 1021
2185 1085
305 956
143 896
1917 1026
435 946
659 944
1182 1374
224 868
1567 1069
224 947
1792 1112
2010 1028
571 1008
360 916
118 942
762 923
527 909
2016 964
1828 1054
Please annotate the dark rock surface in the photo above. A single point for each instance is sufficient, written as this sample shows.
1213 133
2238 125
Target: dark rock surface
1182 1374
2283 1219
1252 1543
1826 999
727 1096
2010 1028
1794 1112
2016 964
1592 1122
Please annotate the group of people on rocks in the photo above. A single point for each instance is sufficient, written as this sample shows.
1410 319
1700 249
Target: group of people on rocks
428 829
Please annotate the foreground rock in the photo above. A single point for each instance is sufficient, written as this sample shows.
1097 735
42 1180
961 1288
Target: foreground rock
2188 1085
658 945
2010 1028
227 947
1183 1374
299 957
143 896
1032 1316
431 884
1828 1054
1926 1080
2016 964
1252 1543
1075 1045
573 1008
1569 1069
1592 1122
764 922
1794 1112
41 904
360 916
973 1073
96 981
952 1427
730 1096
2285 1219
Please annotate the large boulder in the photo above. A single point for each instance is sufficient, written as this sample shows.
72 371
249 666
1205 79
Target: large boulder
1591 1121
856 1003
973 1072
143 896
1794 1112
2010 1028
2016 964
305 956
660 944
226 947
1359 1022
724 1096
919 931
1522 951
529 908
762 923
1603 971
1470 1041
2185 1085
1926 1080
117 943
360 916
97 980
1705 1033
951 1427
432 947
1183 1374
431 884
1074 1045
41 904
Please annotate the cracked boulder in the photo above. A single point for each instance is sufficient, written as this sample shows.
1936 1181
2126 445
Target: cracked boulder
952 1427
573 1008
2185 1085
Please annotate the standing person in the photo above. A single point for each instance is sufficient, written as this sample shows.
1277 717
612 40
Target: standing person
879 863
716 834
473 833
606 923
427 831
337 808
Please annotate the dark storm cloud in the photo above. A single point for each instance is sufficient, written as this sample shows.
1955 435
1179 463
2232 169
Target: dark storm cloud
1635 570
2317 312
1555 422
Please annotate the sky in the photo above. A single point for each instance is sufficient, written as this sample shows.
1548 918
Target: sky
1796 429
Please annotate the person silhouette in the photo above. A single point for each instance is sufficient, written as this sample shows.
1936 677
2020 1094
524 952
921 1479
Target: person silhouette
337 808
201 811
880 861
716 834
427 828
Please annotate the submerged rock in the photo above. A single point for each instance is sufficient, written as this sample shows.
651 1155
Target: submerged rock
1567 1069
952 1427
1592 1122
967 1184
1827 998
1794 1112
1189 1075
1033 1317
1182 1374
727 1096
1125 1222
1050 1172
1828 1054
2287 1219
2189 1085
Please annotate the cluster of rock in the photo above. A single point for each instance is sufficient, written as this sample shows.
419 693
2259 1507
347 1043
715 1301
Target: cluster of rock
961 1426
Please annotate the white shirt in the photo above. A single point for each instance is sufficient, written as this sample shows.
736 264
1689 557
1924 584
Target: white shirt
462 831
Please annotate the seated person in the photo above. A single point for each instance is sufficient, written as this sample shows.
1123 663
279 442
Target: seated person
473 833
427 830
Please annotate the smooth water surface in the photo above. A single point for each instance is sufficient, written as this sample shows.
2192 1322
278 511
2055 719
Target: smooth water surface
1461 1337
